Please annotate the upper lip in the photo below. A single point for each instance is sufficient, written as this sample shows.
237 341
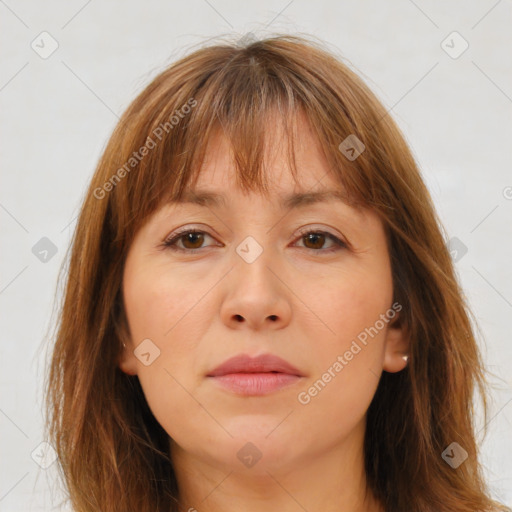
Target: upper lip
265 363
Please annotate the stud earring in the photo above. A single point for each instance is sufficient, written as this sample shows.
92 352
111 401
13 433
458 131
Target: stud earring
405 358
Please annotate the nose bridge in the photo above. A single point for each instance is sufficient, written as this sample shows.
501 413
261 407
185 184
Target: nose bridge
255 259
257 227
255 294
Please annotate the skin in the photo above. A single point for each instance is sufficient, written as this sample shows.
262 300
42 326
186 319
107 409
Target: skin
203 308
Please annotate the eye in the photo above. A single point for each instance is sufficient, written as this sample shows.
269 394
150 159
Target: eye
318 237
194 237
192 240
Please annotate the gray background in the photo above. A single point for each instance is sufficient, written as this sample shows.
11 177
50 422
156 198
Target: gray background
58 111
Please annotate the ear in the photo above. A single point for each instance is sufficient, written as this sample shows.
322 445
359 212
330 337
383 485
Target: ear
397 346
127 361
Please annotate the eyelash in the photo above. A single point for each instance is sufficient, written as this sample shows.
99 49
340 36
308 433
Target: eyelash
171 243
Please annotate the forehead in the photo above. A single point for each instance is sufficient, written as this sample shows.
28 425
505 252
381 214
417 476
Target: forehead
313 173
216 185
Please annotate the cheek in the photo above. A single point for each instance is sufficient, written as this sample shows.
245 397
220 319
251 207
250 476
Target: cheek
160 304
149 302
348 360
332 407
157 310
348 302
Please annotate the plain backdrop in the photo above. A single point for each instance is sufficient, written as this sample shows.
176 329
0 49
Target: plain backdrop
443 69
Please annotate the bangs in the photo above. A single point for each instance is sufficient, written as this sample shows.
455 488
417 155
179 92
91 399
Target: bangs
247 95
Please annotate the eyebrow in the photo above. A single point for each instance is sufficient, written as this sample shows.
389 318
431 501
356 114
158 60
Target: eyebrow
288 202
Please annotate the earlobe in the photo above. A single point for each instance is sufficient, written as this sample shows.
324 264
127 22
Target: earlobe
127 361
397 348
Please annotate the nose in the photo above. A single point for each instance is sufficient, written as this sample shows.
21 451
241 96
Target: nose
256 298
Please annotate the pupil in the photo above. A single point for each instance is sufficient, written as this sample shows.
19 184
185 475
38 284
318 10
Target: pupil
313 236
190 238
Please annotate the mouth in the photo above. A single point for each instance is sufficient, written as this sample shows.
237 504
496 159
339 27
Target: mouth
245 375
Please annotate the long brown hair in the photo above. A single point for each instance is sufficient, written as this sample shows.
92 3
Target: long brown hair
113 454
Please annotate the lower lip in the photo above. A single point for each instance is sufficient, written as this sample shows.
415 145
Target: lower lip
254 384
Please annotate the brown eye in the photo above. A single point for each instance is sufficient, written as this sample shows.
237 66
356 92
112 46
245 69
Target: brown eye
314 241
191 241
194 239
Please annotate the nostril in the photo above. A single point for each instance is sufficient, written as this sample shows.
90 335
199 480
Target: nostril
273 318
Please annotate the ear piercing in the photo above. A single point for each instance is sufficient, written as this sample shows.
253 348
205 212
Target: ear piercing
405 358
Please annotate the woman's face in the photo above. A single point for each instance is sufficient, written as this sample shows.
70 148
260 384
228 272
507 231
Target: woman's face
253 283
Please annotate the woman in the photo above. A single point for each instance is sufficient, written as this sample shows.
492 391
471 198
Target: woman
261 311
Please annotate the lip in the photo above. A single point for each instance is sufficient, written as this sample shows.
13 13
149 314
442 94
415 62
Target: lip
244 363
246 375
